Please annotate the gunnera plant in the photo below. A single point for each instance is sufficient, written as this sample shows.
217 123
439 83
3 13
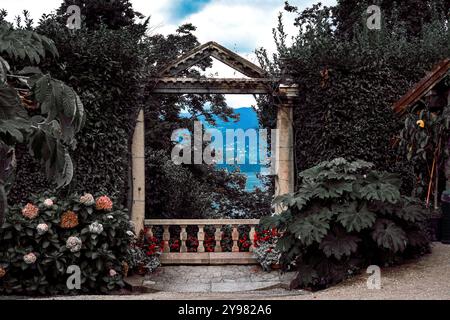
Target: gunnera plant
346 216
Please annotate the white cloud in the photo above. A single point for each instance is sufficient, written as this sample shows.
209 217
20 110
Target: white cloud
36 8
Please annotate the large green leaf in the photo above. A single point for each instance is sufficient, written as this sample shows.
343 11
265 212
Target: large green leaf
14 128
389 236
310 229
381 187
4 70
22 44
339 244
10 106
353 218
411 212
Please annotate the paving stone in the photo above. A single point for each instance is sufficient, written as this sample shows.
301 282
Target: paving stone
215 279
243 286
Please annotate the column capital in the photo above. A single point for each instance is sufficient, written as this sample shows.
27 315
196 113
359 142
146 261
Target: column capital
287 94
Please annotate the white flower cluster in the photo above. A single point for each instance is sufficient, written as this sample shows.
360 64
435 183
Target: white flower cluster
29 258
96 228
87 199
74 244
42 228
48 203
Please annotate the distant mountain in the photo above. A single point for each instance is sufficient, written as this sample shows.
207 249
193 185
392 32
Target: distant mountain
248 119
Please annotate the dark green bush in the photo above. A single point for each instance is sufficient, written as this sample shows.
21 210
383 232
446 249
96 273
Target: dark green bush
344 217
105 238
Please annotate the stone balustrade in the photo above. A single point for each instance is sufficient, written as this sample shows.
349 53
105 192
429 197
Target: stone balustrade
201 256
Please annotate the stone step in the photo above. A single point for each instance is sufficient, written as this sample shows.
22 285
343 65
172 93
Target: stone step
188 279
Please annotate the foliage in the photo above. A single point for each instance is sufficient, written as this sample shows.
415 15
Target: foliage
265 250
105 238
349 84
201 190
95 13
104 66
21 44
110 64
424 138
412 14
345 216
39 111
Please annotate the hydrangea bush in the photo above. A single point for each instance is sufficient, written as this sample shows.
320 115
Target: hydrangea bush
41 239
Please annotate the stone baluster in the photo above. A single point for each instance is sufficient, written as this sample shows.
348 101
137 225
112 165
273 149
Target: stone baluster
201 239
166 238
218 238
183 238
252 238
235 237
149 232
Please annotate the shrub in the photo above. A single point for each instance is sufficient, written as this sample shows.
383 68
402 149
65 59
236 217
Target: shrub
41 240
143 254
265 248
343 217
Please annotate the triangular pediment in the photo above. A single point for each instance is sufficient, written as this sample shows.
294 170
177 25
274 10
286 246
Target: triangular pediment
213 50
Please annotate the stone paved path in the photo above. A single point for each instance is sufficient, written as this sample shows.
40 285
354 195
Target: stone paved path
216 279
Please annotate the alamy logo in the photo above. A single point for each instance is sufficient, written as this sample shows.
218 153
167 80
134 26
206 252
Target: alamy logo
374 280
74 21
374 20
232 147
74 280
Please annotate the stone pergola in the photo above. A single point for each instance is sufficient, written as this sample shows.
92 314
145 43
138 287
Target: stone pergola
258 81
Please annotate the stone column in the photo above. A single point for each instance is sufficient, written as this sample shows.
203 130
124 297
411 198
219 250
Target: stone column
284 157
138 163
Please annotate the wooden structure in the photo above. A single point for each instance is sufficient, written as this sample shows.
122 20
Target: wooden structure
423 87
256 81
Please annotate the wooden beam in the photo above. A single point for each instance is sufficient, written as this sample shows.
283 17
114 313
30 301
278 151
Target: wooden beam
422 87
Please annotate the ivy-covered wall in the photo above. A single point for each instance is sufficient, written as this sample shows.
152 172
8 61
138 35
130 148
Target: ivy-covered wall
349 84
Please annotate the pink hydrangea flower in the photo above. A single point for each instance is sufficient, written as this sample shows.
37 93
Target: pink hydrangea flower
30 211
112 273
104 203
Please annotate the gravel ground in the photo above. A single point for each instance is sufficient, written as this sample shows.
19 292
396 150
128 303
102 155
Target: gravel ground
428 278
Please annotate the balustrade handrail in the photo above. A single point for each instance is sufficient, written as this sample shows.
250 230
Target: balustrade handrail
203 222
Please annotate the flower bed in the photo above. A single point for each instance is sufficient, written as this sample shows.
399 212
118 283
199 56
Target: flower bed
41 240
265 248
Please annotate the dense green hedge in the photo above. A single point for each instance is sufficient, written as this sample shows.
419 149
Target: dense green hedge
348 87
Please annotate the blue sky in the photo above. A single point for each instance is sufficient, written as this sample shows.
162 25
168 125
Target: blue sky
182 9
240 25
